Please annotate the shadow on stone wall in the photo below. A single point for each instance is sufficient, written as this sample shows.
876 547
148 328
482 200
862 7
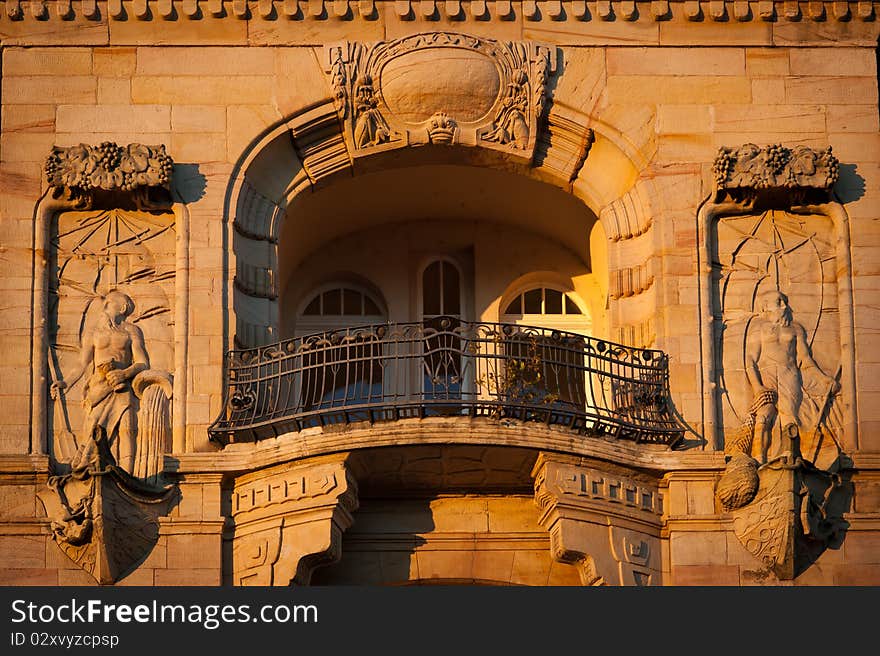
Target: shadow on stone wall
189 182
379 549
850 186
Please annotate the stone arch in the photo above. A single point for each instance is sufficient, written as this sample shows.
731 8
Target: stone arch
309 150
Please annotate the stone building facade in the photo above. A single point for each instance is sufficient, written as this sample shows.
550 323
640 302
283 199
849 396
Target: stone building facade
552 292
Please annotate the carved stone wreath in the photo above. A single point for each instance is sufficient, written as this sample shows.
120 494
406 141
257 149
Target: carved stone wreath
440 88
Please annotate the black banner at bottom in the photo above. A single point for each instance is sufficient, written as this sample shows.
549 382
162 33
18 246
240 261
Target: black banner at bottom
432 619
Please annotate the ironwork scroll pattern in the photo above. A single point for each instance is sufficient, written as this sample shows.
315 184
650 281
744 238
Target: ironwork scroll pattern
447 367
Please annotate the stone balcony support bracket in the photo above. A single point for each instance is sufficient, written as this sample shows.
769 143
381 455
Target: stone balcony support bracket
289 520
603 522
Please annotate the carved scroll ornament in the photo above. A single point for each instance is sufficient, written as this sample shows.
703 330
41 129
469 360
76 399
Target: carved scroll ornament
441 88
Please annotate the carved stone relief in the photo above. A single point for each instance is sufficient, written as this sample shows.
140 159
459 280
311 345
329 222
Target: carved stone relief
780 333
107 349
103 518
786 512
441 88
747 171
84 170
110 346
778 318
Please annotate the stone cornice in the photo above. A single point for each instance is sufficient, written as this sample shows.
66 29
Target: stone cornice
728 12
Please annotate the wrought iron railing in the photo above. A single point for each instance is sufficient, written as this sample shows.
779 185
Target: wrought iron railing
443 367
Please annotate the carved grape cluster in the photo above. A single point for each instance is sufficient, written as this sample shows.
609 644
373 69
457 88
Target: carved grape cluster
52 166
833 167
166 165
752 168
777 157
108 155
721 167
129 182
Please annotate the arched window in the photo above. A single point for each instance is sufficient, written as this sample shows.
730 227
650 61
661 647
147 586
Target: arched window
559 356
441 290
441 322
341 363
544 301
338 305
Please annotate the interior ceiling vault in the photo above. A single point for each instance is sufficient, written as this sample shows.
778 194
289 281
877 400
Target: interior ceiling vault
433 192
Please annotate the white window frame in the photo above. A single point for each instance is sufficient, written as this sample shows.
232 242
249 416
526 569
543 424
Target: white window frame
318 323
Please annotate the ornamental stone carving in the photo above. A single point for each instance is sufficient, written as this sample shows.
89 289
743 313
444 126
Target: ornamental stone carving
110 347
441 88
746 171
367 12
103 518
780 289
786 512
98 340
85 170
108 490
121 394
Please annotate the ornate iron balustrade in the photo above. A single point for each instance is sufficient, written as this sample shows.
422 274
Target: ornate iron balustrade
446 367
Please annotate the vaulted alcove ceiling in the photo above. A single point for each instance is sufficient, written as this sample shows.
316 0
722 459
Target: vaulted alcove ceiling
433 192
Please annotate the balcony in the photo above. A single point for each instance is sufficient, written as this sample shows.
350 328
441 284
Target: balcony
448 367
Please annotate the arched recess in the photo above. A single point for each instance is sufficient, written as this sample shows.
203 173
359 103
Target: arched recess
308 152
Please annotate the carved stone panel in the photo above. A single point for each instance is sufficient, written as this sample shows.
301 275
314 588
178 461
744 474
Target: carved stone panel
779 332
100 260
780 300
441 88
781 350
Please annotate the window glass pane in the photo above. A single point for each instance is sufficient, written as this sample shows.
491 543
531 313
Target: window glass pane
570 307
370 307
431 289
515 306
332 302
314 307
532 301
451 300
552 301
351 302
